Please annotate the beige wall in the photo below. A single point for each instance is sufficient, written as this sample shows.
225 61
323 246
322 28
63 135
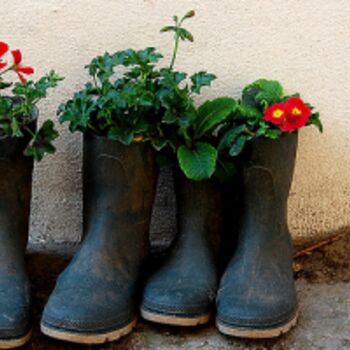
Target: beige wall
304 44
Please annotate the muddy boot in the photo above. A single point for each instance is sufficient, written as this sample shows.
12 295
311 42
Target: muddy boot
95 298
257 297
15 193
182 290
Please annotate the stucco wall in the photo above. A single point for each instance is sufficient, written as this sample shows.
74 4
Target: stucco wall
304 44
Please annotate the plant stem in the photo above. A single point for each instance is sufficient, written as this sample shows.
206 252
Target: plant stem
93 128
251 133
177 38
6 70
29 131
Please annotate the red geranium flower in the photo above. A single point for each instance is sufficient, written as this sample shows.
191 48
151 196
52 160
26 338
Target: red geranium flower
20 70
297 116
3 50
276 113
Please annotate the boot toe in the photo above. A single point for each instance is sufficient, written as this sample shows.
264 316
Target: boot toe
185 300
14 309
86 312
266 313
14 323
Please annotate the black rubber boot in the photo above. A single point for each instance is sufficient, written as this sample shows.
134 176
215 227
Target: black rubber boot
95 298
257 296
182 290
15 193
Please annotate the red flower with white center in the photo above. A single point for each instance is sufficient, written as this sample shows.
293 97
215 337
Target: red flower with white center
276 113
18 68
3 50
297 116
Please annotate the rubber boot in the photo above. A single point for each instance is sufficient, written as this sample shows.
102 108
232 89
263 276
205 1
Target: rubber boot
95 298
181 291
257 296
15 193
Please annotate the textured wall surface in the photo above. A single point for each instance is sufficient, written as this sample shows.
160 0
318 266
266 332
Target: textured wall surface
304 44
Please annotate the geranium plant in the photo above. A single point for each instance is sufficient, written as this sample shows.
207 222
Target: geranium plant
18 111
265 111
130 99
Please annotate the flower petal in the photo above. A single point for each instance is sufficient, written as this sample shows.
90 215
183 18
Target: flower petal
276 113
21 78
3 65
17 57
3 48
24 70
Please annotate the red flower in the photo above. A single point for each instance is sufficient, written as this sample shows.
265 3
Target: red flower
20 70
3 50
276 113
298 114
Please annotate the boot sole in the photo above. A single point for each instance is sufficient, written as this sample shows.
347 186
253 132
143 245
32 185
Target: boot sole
98 338
174 320
257 333
15 343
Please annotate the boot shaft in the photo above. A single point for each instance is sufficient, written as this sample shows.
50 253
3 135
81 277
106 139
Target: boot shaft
15 188
119 190
199 211
267 177
269 167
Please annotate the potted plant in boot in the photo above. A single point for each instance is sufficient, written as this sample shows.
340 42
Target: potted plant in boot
21 142
94 300
182 288
257 296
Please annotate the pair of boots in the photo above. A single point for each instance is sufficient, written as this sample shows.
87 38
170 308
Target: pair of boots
256 296
96 297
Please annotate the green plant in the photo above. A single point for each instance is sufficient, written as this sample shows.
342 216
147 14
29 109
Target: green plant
185 131
142 102
264 111
18 112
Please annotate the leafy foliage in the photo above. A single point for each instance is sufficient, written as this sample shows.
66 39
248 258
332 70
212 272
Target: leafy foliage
213 113
41 142
131 98
16 114
247 122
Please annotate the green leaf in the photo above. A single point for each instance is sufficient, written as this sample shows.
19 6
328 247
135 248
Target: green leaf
168 29
273 133
230 136
315 120
42 141
124 136
5 106
159 144
16 129
198 163
149 55
238 146
201 79
184 34
169 118
263 93
211 113
4 85
249 112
